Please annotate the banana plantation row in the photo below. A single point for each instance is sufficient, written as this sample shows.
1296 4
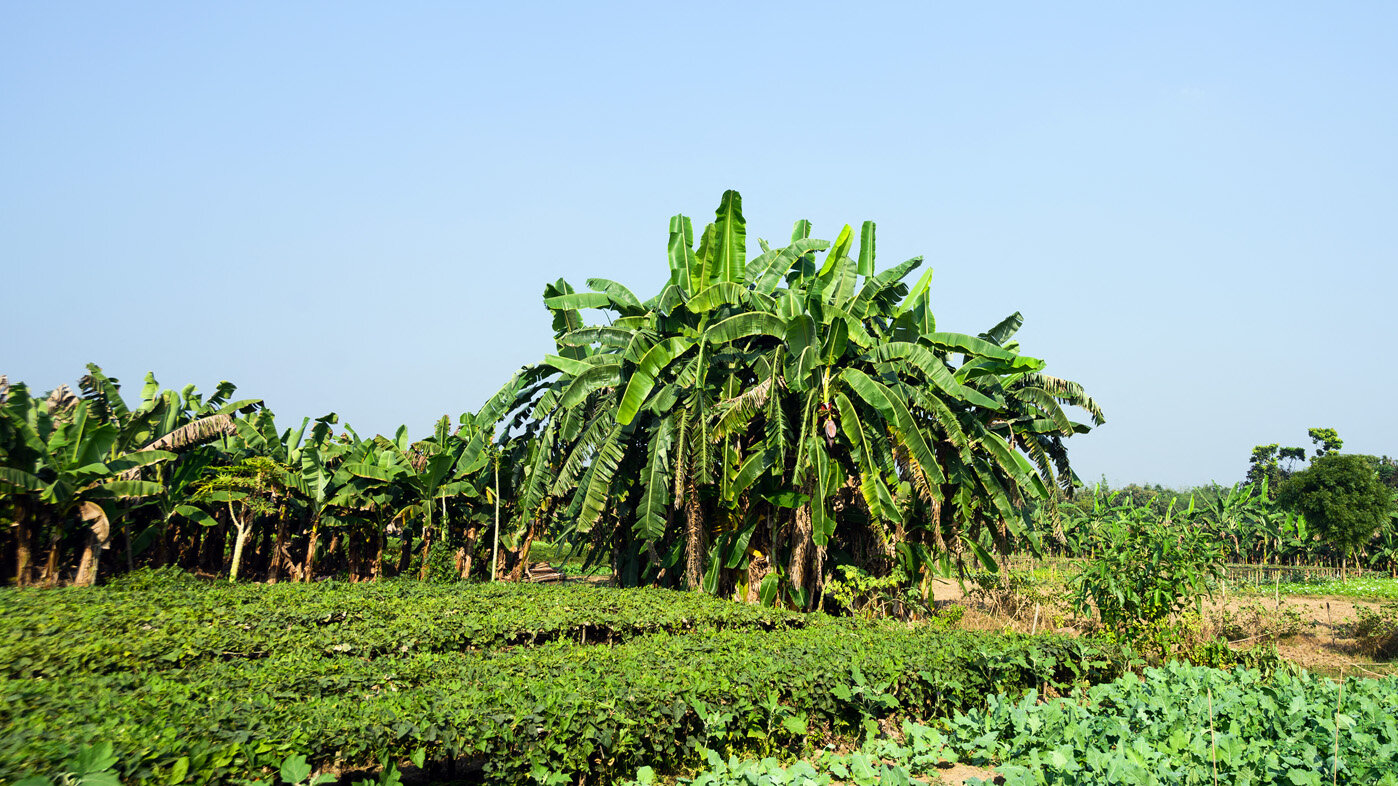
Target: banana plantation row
1244 523
761 420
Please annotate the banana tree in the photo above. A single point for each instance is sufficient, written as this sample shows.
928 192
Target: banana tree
782 389
68 469
163 419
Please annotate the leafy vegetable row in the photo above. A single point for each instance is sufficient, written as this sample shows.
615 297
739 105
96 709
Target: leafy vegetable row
553 712
110 629
1174 725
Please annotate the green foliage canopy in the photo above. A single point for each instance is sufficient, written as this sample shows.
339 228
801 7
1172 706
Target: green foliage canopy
1342 498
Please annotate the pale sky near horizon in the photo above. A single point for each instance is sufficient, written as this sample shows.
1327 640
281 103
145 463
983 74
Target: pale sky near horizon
354 207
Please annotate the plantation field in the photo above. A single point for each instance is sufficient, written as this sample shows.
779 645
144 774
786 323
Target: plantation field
193 682
1366 588
1174 725
162 678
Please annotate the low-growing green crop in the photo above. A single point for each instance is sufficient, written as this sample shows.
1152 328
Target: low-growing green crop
1175 725
522 682
1367 588
72 631
1180 724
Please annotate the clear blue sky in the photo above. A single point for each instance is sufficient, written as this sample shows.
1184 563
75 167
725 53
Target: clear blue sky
355 206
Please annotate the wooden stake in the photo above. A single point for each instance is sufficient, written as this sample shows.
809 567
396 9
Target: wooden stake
1339 697
1213 741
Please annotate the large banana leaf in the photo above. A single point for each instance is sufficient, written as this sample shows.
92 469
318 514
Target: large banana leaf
771 277
588 382
141 458
933 370
970 345
731 250
604 467
681 255
742 326
651 513
569 366
643 378
18 478
837 251
866 249
622 299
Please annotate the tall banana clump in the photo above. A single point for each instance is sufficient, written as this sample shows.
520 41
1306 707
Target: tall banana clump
760 420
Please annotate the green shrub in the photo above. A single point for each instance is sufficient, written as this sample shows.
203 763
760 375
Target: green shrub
1376 630
1342 498
861 595
1261 621
1015 597
1146 569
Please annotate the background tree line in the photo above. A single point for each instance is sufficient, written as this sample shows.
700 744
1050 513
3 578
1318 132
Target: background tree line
1336 509
761 420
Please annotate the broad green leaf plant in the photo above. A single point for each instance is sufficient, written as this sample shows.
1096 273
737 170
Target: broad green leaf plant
763 417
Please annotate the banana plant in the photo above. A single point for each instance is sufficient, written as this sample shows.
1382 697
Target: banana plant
69 468
785 377
167 420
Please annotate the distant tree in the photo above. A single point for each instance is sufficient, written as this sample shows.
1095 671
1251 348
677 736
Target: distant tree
1266 465
1385 467
1342 498
1326 440
1291 456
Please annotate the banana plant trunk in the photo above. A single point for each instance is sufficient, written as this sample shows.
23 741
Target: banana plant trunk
24 543
130 556
801 550
87 566
426 542
308 572
98 532
465 555
50 576
274 568
210 553
518 573
376 570
405 553
694 547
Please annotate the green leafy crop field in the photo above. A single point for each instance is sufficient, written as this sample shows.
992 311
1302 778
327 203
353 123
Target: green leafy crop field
1174 725
1363 588
198 683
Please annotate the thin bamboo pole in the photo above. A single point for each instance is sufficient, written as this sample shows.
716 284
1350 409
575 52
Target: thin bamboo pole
495 549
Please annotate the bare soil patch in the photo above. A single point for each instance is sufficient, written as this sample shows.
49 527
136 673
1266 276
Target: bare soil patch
958 774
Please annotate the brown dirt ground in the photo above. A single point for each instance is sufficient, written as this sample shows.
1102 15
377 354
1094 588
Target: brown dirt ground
957 774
